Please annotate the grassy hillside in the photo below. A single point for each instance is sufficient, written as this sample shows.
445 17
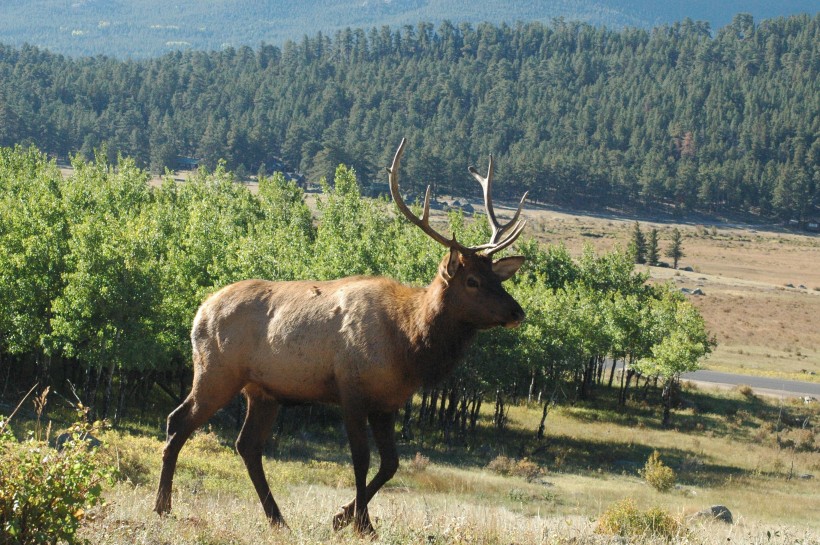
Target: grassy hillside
728 449
151 27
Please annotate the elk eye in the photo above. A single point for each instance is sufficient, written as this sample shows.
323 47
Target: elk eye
472 282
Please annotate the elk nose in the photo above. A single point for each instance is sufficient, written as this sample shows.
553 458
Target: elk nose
516 317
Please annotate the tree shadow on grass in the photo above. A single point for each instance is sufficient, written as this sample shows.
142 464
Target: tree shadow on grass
316 432
583 456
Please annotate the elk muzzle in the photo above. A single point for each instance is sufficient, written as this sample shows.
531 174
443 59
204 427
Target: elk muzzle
517 316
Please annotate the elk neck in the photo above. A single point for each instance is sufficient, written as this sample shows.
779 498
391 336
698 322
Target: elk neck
436 338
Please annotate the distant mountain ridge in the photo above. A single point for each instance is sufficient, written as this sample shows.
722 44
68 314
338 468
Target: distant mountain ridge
149 28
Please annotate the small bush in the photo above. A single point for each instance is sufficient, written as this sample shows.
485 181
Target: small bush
746 391
501 465
626 520
657 474
525 468
208 442
44 493
418 464
132 459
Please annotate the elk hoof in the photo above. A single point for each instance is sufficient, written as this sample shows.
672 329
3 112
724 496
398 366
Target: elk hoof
365 529
343 517
162 506
279 523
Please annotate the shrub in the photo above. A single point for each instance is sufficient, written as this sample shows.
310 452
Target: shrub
132 458
625 519
501 465
44 493
525 468
746 391
657 474
418 464
208 442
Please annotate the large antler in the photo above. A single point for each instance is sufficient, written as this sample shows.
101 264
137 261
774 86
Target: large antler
424 220
496 243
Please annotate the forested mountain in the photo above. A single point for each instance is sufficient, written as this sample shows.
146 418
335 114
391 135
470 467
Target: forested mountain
154 27
574 113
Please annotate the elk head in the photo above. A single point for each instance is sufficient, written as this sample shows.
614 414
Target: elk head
471 278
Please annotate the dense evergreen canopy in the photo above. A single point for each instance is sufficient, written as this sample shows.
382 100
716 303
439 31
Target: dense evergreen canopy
576 114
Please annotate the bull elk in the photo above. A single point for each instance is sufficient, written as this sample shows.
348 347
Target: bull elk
364 343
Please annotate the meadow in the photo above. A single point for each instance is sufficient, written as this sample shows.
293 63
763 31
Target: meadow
730 448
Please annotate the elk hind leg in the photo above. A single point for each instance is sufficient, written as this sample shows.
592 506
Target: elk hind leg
197 408
382 425
258 426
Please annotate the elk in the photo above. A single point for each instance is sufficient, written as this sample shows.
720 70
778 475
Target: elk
364 343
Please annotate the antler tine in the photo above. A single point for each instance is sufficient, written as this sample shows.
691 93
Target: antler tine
487 185
424 221
494 246
519 228
495 243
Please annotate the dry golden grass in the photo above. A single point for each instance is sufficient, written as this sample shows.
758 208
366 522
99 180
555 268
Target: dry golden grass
726 454
405 516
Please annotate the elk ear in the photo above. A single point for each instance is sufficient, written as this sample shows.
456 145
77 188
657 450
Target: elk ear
506 267
450 264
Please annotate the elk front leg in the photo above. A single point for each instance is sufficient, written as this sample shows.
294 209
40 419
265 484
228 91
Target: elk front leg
382 425
356 426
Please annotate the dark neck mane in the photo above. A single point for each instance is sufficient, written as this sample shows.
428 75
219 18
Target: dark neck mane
438 341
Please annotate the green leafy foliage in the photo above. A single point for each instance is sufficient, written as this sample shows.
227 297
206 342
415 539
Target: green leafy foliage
678 341
660 476
45 492
33 247
119 280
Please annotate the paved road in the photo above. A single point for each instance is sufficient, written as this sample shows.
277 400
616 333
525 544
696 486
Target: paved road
762 385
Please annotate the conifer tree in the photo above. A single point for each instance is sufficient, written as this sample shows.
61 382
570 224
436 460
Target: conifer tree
638 244
652 248
675 249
